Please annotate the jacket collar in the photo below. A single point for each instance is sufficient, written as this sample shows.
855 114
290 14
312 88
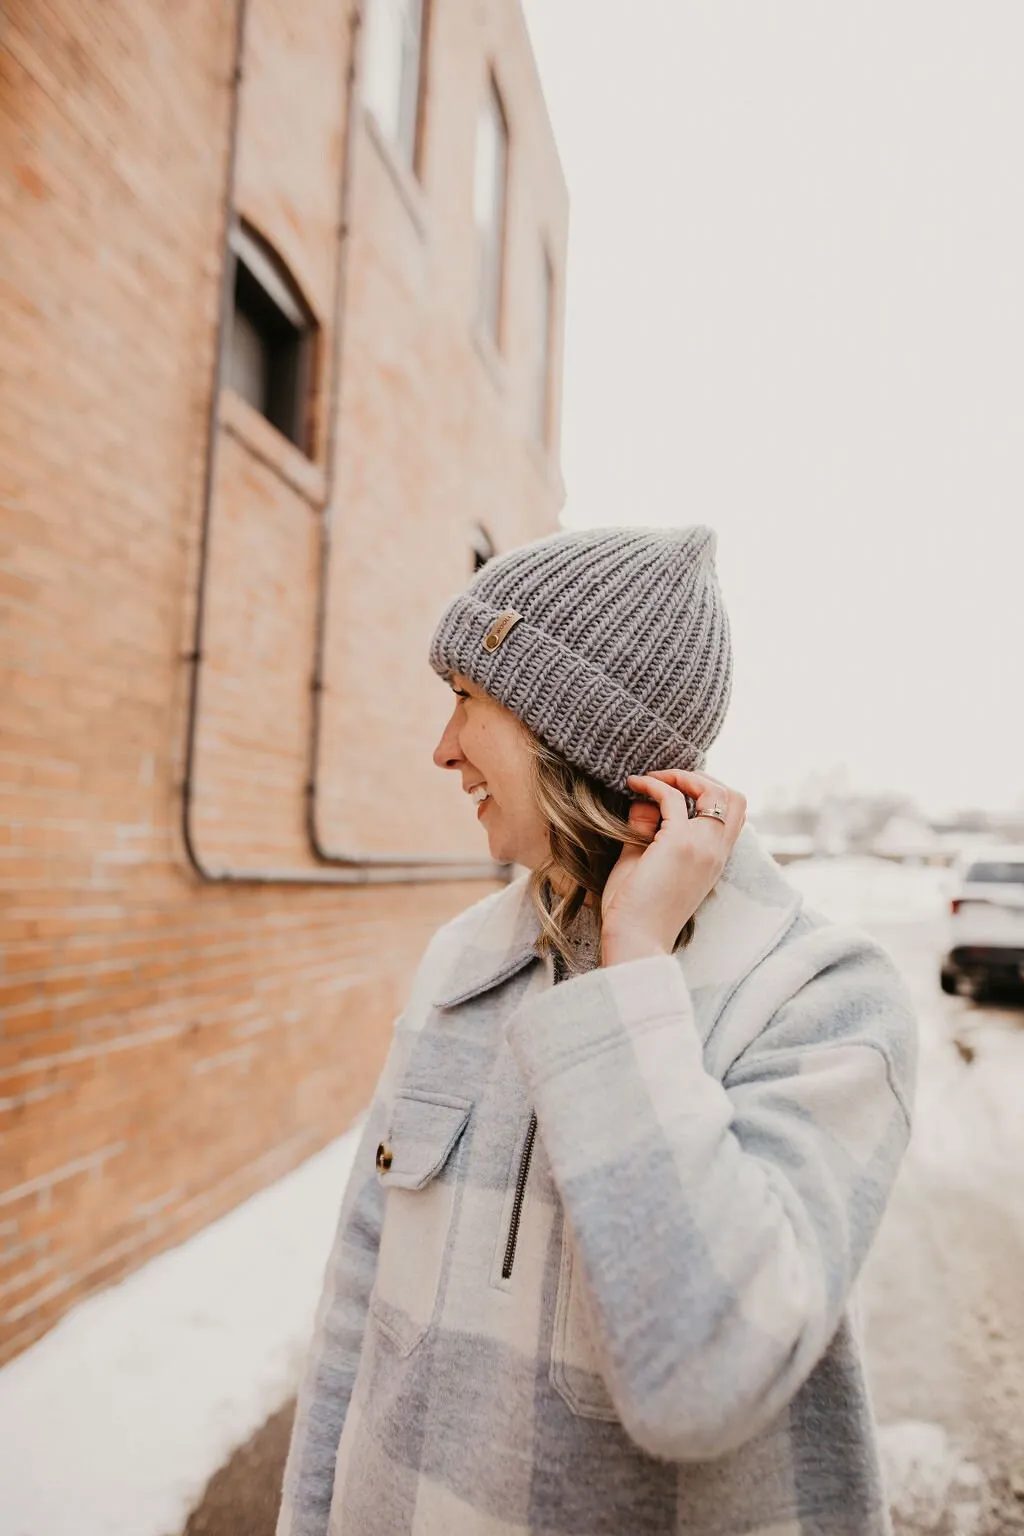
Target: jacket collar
737 925
498 944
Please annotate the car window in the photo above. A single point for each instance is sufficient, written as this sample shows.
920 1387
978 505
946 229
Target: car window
996 872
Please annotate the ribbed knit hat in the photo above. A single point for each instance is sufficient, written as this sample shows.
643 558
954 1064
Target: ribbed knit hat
611 644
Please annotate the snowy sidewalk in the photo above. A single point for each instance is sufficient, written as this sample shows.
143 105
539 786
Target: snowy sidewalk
112 1424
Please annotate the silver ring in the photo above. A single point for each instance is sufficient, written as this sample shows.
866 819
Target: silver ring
717 811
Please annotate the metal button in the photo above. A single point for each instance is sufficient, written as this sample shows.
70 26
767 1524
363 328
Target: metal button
383 1158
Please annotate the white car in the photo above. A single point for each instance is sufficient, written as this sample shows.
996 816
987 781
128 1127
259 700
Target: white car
986 922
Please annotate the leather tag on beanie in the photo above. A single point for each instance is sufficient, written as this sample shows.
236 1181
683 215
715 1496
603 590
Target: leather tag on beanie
502 627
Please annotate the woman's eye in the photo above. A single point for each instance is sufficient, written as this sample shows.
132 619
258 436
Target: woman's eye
460 693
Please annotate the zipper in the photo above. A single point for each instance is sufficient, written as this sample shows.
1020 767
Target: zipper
517 1203
524 1170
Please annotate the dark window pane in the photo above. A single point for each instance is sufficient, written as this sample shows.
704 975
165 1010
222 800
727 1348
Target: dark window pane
247 365
483 547
270 343
1000 872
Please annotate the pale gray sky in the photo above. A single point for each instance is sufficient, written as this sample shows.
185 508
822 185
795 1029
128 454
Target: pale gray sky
796 312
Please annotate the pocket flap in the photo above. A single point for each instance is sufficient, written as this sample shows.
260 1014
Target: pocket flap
424 1128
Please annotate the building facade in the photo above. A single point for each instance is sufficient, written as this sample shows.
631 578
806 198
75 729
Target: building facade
280 359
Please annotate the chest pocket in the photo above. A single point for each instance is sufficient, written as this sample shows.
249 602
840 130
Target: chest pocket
417 1164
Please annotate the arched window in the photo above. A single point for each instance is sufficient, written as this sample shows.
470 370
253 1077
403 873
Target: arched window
545 332
489 198
482 546
393 78
271 341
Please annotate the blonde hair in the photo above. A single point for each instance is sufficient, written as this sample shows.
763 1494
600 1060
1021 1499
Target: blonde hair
587 828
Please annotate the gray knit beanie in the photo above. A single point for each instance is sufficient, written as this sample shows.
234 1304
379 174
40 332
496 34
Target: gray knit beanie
611 644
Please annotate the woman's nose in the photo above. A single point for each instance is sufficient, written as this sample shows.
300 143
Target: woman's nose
447 753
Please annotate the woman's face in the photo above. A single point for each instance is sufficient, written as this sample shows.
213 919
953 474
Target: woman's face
487 747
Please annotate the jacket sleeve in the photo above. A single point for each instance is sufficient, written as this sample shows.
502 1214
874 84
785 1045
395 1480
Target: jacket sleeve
333 1355
720 1226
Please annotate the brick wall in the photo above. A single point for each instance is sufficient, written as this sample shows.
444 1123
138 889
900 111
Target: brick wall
167 1046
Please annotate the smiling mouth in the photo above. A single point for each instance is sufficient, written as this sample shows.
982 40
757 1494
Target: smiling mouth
479 795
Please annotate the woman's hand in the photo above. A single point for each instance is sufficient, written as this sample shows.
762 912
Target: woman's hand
653 891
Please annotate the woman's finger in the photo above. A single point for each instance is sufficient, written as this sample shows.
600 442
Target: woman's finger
691 779
644 818
702 784
699 773
670 801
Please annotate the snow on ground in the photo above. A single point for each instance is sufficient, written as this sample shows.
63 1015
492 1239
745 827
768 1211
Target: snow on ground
931 1487
969 1129
860 890
112 1424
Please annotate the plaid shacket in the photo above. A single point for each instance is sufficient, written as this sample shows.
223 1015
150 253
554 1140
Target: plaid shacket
672 1347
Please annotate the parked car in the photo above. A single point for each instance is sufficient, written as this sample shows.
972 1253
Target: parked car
986 922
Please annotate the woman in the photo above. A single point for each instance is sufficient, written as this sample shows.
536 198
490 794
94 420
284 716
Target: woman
637 1127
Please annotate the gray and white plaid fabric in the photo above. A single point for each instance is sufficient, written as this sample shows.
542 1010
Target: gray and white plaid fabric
674 1350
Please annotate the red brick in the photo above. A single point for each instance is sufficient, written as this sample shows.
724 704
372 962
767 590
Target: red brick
140 1004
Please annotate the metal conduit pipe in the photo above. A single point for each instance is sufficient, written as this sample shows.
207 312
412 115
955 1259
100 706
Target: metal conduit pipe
348 868
443 865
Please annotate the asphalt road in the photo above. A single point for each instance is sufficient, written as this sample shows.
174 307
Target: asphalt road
943 1290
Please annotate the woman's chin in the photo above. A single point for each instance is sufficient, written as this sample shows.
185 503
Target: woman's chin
502 853
497 850
506 848
497 846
